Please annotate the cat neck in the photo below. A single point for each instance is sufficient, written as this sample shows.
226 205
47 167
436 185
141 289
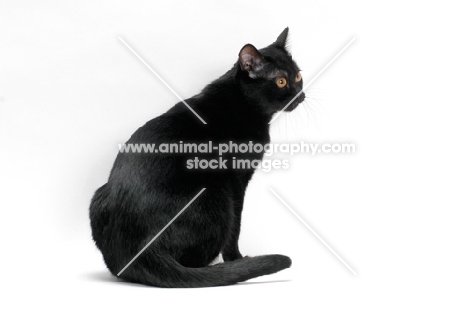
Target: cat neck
227 97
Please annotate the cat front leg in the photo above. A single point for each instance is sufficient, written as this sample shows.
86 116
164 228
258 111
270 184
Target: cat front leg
231 250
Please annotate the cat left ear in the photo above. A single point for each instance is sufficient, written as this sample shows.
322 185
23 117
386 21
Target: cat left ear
282 38
250 60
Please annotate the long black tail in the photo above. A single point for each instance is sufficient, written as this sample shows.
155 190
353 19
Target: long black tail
164 271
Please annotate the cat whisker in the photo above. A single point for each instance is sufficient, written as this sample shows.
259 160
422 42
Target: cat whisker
314 90
307 109
310 110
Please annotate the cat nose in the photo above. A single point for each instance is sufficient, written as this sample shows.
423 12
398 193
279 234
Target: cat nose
297 88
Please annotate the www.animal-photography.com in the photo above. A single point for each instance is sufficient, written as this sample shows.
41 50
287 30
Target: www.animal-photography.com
304 155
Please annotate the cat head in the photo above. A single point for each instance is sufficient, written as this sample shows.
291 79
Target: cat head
269 76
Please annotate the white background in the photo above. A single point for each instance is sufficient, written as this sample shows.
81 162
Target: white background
395 210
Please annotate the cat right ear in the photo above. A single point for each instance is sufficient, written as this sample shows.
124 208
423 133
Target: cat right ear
282 38
250 60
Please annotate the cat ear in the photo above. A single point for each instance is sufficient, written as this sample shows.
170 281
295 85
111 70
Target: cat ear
282 38
250 60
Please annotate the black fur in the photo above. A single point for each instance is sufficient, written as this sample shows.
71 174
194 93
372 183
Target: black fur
145 191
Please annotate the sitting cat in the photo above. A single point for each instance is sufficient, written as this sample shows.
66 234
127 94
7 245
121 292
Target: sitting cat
146 190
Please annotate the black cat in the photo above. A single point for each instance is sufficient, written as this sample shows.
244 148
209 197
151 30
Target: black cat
146 190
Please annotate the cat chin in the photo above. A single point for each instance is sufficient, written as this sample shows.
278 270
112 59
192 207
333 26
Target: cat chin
295 103
292 107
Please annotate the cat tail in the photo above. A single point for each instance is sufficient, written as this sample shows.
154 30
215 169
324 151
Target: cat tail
164 271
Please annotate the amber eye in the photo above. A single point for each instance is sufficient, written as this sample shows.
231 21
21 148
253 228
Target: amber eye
281 82
298 77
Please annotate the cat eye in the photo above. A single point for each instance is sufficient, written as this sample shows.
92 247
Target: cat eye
281 82
298 77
